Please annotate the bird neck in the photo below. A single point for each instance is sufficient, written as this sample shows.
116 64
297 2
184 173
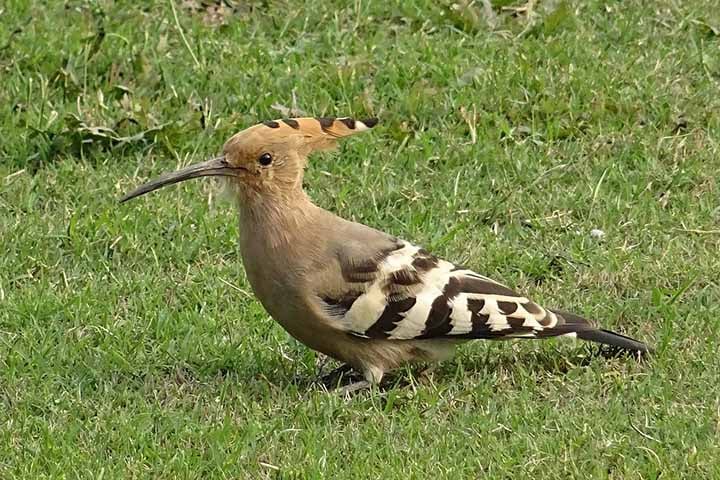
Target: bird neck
275 217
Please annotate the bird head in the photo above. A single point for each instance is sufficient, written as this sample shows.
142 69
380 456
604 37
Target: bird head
270 156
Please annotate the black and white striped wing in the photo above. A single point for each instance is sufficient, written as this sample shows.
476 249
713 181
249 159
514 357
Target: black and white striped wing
407 293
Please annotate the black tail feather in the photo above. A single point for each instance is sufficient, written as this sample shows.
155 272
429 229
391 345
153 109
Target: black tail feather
606 337
586 331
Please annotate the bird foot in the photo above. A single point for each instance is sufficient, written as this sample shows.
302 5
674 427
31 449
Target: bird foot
344 380
425 375
338 376
354 387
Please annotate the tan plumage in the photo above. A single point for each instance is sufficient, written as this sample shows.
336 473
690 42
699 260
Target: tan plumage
347 290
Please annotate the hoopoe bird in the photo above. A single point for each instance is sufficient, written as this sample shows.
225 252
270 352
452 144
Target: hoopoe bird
359 295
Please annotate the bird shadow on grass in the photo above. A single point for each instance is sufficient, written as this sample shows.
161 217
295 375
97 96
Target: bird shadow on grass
490 363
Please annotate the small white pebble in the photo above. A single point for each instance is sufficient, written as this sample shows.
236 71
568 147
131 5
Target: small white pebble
597 233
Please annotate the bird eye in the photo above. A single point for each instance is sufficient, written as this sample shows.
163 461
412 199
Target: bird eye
265 159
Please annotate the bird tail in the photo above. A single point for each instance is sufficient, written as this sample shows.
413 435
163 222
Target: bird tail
586 331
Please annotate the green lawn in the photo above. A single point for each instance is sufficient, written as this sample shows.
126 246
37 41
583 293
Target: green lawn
130 346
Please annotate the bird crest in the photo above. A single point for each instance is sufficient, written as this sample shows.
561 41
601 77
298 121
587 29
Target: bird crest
308 134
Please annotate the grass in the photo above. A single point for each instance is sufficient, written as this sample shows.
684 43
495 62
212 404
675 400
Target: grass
130 348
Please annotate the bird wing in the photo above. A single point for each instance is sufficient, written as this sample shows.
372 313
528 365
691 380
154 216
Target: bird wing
407 293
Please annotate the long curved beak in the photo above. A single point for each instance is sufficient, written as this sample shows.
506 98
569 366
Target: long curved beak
217 167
